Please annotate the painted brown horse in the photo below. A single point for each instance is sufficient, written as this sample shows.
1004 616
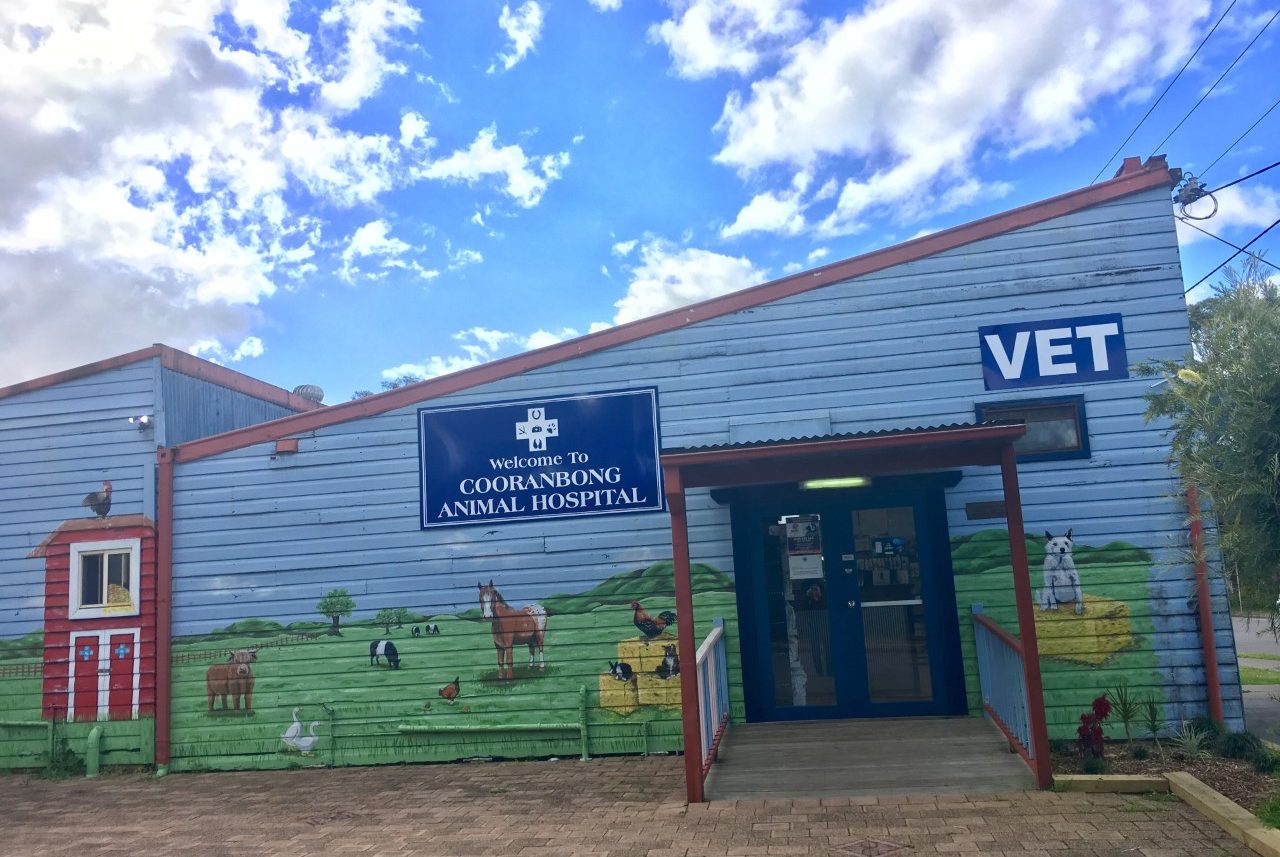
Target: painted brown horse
512 627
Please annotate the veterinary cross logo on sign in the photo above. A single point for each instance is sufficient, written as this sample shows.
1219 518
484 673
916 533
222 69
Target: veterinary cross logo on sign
537 429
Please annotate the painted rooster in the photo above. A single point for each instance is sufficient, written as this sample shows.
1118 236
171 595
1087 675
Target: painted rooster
99 501
652 626
450 691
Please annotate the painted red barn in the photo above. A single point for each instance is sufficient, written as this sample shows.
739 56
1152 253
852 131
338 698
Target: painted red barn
99 619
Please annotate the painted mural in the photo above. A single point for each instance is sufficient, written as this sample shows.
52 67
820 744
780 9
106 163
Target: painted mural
1093 616
91 661
368 683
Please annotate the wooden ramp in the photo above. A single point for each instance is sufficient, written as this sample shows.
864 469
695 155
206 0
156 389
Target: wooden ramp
830 758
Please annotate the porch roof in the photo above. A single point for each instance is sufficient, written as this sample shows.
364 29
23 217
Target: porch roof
856 454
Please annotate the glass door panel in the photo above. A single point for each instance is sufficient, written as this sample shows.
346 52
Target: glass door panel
892 605
796 600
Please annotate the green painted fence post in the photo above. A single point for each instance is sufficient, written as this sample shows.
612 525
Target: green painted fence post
582 721
93 753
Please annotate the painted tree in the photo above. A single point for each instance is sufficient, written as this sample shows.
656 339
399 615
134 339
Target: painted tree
336 604
389 616
1224 402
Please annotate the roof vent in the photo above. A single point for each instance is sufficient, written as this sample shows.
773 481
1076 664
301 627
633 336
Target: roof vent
310 392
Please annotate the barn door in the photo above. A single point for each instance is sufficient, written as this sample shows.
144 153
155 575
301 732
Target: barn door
85 678
120 689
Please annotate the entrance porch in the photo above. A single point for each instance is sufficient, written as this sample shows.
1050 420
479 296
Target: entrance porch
851 758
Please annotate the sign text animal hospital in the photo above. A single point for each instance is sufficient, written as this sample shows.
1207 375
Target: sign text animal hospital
1058 351
548 458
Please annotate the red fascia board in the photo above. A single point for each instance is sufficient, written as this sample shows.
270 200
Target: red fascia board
1129 181
177 361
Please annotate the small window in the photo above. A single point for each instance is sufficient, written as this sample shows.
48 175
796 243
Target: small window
1056 428
104 579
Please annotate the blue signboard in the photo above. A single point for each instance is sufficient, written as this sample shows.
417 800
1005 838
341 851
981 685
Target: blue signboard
1058 351
563 457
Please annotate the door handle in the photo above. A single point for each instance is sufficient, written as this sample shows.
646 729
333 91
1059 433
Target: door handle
852 603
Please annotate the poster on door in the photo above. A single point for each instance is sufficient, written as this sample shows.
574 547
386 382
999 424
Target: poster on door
804 547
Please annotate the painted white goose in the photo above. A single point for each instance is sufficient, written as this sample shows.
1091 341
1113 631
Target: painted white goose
306 744
293 734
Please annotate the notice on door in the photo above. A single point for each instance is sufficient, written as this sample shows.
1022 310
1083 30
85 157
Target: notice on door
804 547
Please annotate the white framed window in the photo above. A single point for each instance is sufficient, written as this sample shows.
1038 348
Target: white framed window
104 579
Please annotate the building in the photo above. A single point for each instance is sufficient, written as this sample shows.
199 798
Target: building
78 632
822 467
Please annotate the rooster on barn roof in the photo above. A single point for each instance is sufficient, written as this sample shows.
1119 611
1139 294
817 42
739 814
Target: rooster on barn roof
99 501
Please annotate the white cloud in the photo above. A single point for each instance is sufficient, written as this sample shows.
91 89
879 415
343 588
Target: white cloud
525 178
164 163
523 27
782 214
370 26
670 276
373 242
413 128
607 5
911 89
818 254
462 258
709 36
623 248
1240 207
215 352
480 345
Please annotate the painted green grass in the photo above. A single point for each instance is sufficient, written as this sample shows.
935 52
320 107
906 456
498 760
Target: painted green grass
1117 571
1259 675
331 676
20 695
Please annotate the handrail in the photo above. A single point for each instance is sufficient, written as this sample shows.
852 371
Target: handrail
1004 689
713 693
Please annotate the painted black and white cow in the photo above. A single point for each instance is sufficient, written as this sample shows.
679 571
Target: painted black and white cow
384 648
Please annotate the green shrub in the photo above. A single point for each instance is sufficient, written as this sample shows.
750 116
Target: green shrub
1140 752
1190 742
1266 762
1208 726
1269 812
1238 745
1093 765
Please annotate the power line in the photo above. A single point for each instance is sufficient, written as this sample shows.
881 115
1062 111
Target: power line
1163 94
1244 249
1264 260
1209 91
1246 178
1236 142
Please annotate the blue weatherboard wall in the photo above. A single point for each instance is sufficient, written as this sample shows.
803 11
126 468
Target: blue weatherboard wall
265 537
58 443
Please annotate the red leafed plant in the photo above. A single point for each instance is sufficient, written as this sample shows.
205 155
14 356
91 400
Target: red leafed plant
1089 735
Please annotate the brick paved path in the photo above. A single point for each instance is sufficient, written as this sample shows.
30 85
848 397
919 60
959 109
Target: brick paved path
621 807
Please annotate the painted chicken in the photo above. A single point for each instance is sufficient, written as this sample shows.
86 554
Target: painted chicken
652 626
99 501
450 691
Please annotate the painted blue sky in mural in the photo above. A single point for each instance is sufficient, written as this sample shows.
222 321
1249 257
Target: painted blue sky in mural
341 192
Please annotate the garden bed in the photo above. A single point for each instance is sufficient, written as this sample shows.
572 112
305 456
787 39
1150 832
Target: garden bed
1233 778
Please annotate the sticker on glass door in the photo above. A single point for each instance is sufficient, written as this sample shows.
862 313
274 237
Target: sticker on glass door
796 596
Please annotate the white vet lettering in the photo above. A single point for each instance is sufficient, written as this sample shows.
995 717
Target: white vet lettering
1010 367
1097 335
1047 349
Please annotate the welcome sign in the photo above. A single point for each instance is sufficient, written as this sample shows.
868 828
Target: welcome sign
570 456
1058 351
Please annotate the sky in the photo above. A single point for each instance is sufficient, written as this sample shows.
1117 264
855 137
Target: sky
347 191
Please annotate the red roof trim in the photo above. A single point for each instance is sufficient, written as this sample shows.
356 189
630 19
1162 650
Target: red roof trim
1128 181
180 362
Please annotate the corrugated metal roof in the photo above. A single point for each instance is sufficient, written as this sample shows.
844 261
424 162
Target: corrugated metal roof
755 444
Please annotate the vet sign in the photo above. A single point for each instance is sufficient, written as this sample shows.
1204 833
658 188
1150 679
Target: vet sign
563 457
1059 351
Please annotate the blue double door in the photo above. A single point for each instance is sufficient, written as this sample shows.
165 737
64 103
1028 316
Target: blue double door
847 606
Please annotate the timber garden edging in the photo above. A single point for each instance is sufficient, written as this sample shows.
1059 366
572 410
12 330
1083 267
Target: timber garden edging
1236 821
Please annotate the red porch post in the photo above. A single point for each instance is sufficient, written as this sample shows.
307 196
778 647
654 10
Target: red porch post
1208 644
1026 618
674 488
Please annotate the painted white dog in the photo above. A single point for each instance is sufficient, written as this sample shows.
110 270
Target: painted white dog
1061 580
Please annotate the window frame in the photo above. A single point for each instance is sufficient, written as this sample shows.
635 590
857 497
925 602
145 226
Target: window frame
981 410
132 547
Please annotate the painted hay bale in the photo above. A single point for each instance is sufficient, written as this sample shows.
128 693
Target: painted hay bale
1091 638
644 655
652 690
620 697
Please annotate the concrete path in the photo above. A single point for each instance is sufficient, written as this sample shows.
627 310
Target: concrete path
626 807
1261 701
